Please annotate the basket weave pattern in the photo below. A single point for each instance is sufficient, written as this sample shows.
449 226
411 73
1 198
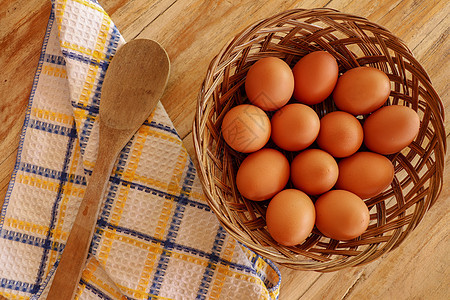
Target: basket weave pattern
353 41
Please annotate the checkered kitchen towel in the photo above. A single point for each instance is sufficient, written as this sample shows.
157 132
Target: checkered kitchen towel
156 238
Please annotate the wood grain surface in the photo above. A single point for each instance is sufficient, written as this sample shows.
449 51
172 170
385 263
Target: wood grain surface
193 32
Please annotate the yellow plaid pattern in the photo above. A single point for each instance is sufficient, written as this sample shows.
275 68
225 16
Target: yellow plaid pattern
156 238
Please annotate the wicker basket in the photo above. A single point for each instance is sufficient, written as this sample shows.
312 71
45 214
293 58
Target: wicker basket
353 41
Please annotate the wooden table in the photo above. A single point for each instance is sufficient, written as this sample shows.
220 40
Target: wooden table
193 31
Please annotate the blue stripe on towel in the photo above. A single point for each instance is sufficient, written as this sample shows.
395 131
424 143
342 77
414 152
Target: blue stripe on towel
212 264
51 128
166 195
172 233
54 59
85 131
66 131
84 59
111 46
162 127
17 285
52 174
30 240
113 43
92 109
54 213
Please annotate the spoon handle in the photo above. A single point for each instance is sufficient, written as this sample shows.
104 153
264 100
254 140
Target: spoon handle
73 259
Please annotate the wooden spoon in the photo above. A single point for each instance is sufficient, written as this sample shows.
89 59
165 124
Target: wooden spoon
133 85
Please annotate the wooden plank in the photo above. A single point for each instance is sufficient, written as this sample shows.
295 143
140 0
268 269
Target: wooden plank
6 168
188 143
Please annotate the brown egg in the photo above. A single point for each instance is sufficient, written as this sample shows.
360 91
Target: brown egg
314 171
262 174
269 83
315 77
365 173
290 217
391 128
246 128
361 90
340 134
295 127
341 215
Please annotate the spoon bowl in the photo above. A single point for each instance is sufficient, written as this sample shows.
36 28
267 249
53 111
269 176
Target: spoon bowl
131 84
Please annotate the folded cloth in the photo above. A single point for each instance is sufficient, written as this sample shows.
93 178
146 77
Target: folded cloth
156 238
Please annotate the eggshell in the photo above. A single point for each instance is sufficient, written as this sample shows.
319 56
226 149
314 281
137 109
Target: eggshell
365 173
340 134
246 128
262 174
391 128
341 215
315 77
361 90
314 171
290 217
269 83
295 127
